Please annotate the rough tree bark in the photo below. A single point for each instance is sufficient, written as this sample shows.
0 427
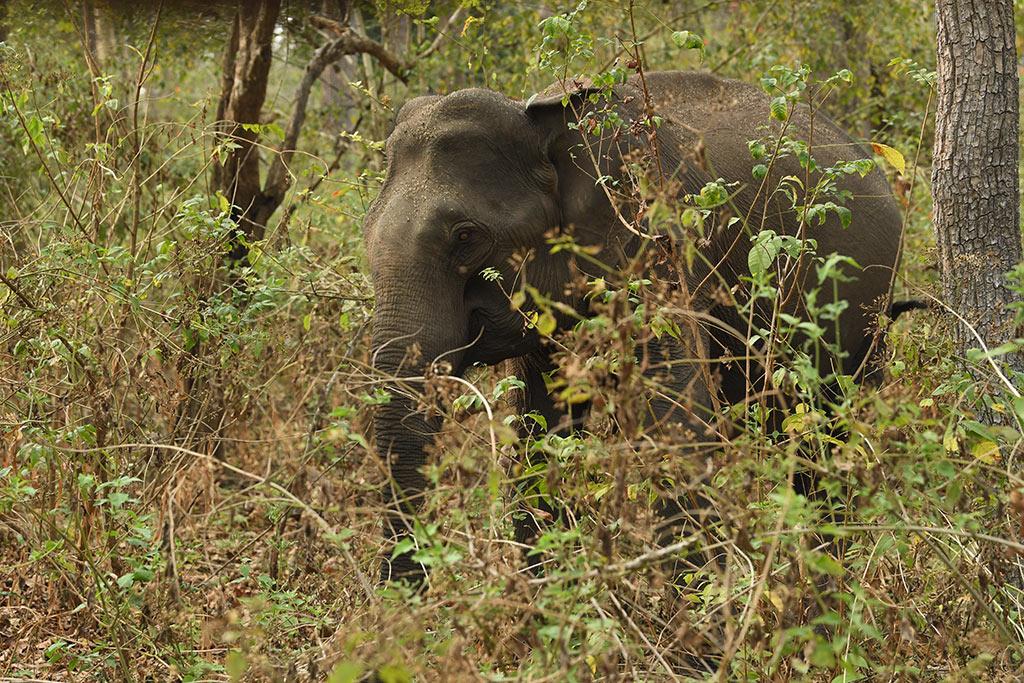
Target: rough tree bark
975 174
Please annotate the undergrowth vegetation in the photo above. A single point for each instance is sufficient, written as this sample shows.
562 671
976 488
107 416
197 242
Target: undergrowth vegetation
189 488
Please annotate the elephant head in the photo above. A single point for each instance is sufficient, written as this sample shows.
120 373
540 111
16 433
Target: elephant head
475 182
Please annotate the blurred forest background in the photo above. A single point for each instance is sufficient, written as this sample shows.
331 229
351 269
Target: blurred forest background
188 486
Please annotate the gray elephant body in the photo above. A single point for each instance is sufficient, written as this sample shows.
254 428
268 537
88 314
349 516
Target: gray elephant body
475 179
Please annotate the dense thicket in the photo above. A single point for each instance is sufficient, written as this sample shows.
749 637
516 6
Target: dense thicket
188 483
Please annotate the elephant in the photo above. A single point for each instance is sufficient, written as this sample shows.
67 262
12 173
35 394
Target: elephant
475 178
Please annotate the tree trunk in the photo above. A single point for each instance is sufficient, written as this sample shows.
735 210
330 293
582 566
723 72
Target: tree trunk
240 176
336 97
3 20
975 174
89 27
227 84
104 18
247 57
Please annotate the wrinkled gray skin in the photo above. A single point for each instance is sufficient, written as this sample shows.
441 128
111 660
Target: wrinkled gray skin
474 178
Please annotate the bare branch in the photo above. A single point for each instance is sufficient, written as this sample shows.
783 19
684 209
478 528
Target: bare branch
348 42
442 33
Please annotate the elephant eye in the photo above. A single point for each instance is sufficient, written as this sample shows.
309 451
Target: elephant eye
470 244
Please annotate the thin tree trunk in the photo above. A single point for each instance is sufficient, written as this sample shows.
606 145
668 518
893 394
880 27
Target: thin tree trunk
227 84
975 172
106 34
240 176
246 66
3 20
89 26
337 99
242 98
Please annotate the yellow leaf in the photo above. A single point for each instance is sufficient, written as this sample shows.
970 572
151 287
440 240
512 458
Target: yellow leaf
950 443
470 20
599 491
891 155
986 451
546 324
576 394
632 491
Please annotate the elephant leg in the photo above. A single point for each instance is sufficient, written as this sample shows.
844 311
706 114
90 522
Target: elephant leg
684 396
682 410
683 389
534 398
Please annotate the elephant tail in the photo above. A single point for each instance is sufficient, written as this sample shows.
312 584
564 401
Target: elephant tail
898 308
870 355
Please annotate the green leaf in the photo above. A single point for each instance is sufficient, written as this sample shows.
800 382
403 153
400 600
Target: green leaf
345 672
117 498
825 564
778 108
339 537
538 418
392 673
403 546
763 254
143 574
235 665
822 657
977 355
712 194
688 40
845 216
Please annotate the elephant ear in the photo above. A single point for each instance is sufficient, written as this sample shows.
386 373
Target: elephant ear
584 208
555 106
558 93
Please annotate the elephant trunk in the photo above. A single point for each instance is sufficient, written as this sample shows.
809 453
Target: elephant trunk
410 333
